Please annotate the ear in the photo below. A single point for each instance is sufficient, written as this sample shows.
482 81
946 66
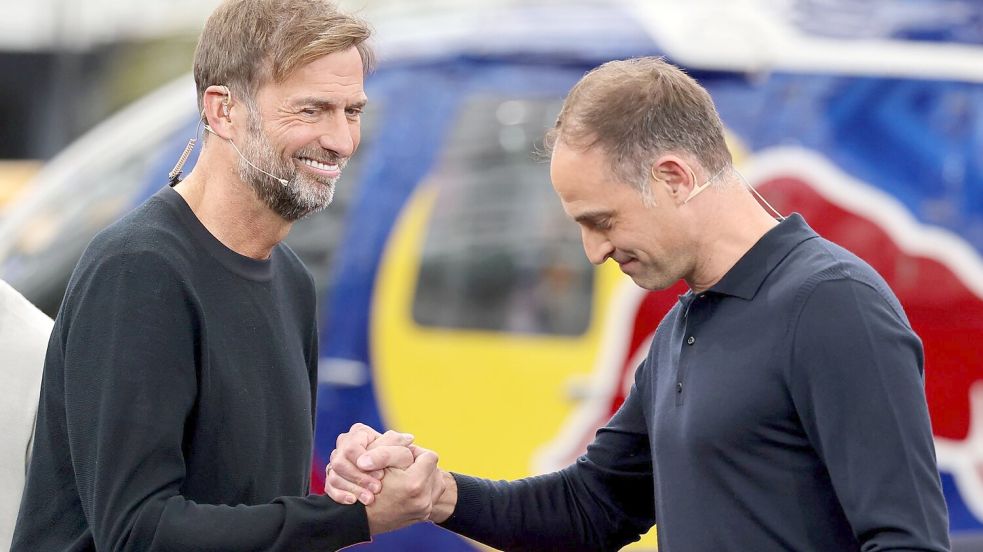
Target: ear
218 103
672 176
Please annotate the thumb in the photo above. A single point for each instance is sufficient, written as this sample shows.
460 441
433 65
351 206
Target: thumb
424 464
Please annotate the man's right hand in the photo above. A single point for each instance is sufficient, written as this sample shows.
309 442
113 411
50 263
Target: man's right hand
364 458
353 473
408 495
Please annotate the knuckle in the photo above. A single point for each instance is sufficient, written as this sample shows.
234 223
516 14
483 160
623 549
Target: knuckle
422 506
337 481
332 479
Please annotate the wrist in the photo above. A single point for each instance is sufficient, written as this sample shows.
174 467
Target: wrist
445 504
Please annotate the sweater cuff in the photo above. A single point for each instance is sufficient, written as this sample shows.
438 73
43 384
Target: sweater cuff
467 511
323 524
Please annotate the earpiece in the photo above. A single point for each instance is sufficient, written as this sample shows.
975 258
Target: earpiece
175 173
226 101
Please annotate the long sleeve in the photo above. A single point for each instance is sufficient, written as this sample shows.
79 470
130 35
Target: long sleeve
602 502
856 381
129 342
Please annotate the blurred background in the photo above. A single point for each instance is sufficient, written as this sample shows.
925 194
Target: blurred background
455 301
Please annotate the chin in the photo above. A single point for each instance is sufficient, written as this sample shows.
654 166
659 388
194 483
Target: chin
654 282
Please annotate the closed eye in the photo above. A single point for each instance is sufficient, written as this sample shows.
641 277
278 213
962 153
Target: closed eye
595 221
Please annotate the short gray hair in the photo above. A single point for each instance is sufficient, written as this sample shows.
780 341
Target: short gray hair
637 109
247 43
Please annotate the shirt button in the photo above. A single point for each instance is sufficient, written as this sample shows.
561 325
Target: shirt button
690 340
679 387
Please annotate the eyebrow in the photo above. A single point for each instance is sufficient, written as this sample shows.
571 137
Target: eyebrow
591 217
321 103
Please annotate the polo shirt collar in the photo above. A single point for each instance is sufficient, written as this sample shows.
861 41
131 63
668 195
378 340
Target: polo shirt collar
745 278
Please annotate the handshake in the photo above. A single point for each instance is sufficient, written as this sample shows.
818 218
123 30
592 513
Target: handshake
398 482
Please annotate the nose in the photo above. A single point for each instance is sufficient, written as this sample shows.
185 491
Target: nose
596 246
340 135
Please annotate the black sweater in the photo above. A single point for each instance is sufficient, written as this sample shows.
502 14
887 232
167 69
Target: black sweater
177 402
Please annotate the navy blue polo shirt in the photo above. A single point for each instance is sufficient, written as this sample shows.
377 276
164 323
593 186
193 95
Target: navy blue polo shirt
786 409
782 409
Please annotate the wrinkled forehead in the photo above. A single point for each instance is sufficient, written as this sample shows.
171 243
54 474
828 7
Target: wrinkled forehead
337 77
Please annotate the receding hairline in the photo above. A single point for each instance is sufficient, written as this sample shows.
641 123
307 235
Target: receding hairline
638 108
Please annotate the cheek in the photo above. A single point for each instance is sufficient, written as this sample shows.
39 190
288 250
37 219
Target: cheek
639 242
356 130
307 136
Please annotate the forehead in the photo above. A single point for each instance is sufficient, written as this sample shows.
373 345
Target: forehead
337 76
577 173
587 187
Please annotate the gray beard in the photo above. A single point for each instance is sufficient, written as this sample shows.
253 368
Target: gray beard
302 195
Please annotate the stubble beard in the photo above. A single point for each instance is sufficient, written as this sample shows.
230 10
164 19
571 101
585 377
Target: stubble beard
303 194
658 277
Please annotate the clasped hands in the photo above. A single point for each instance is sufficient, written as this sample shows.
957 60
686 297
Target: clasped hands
398 482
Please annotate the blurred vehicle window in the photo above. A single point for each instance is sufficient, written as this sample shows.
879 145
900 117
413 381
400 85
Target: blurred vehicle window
500 254
45 251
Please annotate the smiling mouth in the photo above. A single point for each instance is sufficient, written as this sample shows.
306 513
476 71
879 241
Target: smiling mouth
331 168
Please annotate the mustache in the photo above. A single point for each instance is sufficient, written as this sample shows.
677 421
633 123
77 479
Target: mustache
323 156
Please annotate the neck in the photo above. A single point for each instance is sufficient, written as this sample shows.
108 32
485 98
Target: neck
738 222
232 212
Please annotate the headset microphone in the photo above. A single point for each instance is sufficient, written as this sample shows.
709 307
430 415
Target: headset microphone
243 157
175 175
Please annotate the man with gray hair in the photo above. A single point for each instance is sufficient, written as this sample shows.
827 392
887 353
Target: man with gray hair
781 405
177 402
